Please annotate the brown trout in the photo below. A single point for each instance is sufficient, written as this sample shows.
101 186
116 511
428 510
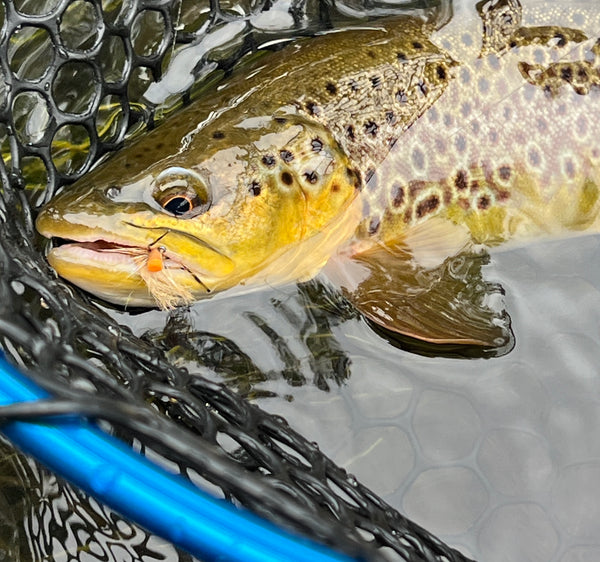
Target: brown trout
384 155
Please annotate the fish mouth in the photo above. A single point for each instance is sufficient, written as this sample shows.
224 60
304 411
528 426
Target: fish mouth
105 248
120 273
108 252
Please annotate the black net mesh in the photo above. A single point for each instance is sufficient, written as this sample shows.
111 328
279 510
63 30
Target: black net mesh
73 78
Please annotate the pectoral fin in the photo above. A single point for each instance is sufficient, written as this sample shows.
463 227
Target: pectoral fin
446 304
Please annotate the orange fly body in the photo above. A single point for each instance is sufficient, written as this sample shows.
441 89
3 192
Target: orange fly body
155 260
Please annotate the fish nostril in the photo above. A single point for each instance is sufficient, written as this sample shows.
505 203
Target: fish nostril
112 192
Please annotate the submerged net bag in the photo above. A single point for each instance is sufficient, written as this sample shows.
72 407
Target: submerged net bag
74 75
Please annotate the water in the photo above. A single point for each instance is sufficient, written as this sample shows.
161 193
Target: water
499 457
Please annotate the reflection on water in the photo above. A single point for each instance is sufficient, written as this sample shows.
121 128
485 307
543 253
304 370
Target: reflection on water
301 319
499 455
288 335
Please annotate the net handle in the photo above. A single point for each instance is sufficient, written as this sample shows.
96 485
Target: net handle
163 503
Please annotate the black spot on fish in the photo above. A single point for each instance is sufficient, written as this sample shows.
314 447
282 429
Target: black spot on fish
335 187
218 135
159 145
268 160
376 81
423 87
441 72
371 128
255 188
427 206
350 133
316 144
483 202
504 172
311 176
371 54
354 85
512 44
582 73
354 177
331 88
127 165
562 41
566 73
286 178
312 108
286 155
374 225
281 120
460 181
397 195
417 45
401 96
401 56
390 117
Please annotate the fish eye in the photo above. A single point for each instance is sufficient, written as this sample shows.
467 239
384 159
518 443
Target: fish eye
181 192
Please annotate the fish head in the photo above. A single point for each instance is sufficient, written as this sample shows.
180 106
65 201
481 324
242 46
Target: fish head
223 210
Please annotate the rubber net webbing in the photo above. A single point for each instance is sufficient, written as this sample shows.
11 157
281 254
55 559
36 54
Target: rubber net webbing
73 75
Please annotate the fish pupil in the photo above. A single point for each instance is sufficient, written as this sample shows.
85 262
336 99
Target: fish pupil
178 205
